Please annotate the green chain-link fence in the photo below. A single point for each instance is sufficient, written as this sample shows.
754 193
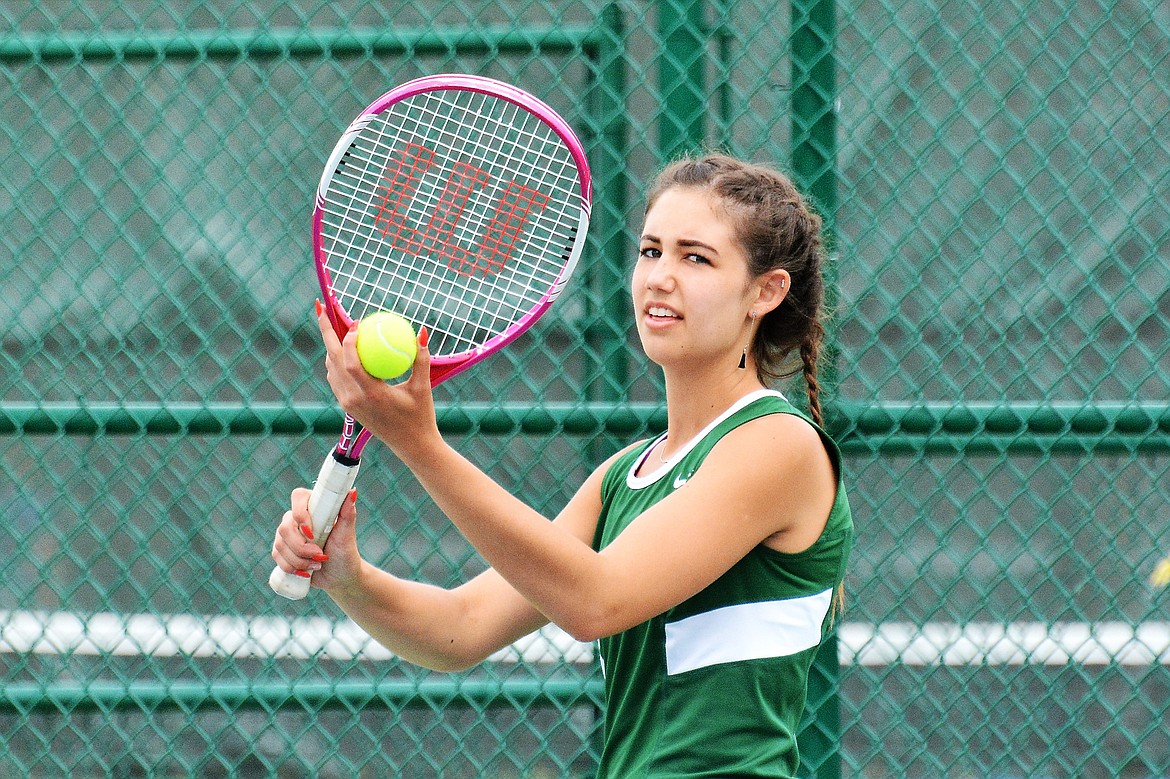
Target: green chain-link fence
995 177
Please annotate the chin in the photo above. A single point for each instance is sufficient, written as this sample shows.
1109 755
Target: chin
669 359
653 355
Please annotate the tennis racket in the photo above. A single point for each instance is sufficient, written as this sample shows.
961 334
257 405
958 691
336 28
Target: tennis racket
459 202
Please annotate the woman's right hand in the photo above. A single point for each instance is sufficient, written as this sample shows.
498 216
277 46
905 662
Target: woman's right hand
338 564
402 414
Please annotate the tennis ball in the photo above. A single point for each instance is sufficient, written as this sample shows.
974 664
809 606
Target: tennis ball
1161 575
386 345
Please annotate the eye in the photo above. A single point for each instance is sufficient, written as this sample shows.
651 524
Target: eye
649 253
698 259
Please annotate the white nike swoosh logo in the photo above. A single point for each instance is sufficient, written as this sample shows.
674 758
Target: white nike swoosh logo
679 481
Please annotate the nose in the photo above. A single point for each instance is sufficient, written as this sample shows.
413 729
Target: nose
660 275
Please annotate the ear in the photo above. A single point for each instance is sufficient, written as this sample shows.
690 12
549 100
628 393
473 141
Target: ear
772 287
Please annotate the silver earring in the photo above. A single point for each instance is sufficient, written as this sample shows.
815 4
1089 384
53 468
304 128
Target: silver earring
743 357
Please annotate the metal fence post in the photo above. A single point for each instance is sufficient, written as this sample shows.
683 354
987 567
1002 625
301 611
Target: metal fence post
814 126
682 81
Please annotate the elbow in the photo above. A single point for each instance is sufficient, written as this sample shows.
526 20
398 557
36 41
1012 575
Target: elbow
452 657
600 610
590 624
449 665
586 636
450 662
578 630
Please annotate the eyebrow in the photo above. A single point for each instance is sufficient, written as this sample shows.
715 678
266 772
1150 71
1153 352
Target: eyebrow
687 243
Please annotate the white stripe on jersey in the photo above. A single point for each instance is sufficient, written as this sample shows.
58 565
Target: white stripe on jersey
748 631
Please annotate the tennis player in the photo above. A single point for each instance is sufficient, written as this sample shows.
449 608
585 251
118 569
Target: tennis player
707 562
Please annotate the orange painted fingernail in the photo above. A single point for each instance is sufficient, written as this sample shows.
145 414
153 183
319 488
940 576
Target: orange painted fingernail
307 532
321 558
424 336
304 574
320 308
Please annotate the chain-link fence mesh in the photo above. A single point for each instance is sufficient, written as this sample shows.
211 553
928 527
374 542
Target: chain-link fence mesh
995 177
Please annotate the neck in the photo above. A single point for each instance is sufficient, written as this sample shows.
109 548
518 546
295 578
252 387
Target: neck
694 399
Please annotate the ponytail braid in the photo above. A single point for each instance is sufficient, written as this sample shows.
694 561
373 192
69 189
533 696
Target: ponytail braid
810 352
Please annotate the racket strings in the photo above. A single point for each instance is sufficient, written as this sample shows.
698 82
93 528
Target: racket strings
456 209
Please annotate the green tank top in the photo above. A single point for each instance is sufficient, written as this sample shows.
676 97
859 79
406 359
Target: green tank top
715 686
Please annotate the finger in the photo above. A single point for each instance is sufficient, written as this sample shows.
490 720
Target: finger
348 512
349 354
343 528
325 325
299 516
420 370
299 505
291 551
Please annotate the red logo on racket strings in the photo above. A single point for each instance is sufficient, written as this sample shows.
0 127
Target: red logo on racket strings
496 244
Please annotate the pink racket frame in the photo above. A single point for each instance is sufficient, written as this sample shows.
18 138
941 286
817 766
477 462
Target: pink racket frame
444 367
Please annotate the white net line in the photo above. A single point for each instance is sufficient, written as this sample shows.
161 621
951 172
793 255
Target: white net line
975 644
455 209
196 635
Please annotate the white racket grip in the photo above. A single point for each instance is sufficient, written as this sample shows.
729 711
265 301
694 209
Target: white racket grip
333 484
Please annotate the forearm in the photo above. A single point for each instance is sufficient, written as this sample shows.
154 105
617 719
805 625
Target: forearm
421 623
555 570
543 562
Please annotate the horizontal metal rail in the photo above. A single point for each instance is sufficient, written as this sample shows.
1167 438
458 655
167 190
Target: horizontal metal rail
275 419
219 44
189 696
885 427
1019 428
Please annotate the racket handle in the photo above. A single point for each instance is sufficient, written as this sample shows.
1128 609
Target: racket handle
329 491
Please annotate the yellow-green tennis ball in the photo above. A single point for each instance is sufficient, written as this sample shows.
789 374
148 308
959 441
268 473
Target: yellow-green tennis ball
386 345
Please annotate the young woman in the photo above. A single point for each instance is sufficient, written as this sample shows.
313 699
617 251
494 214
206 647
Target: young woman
706 562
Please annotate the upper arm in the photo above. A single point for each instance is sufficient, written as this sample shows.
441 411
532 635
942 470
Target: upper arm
769 480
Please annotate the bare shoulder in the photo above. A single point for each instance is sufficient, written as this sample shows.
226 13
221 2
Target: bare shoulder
781 461
788 439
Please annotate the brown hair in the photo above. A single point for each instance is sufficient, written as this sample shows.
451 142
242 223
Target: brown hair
777 230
